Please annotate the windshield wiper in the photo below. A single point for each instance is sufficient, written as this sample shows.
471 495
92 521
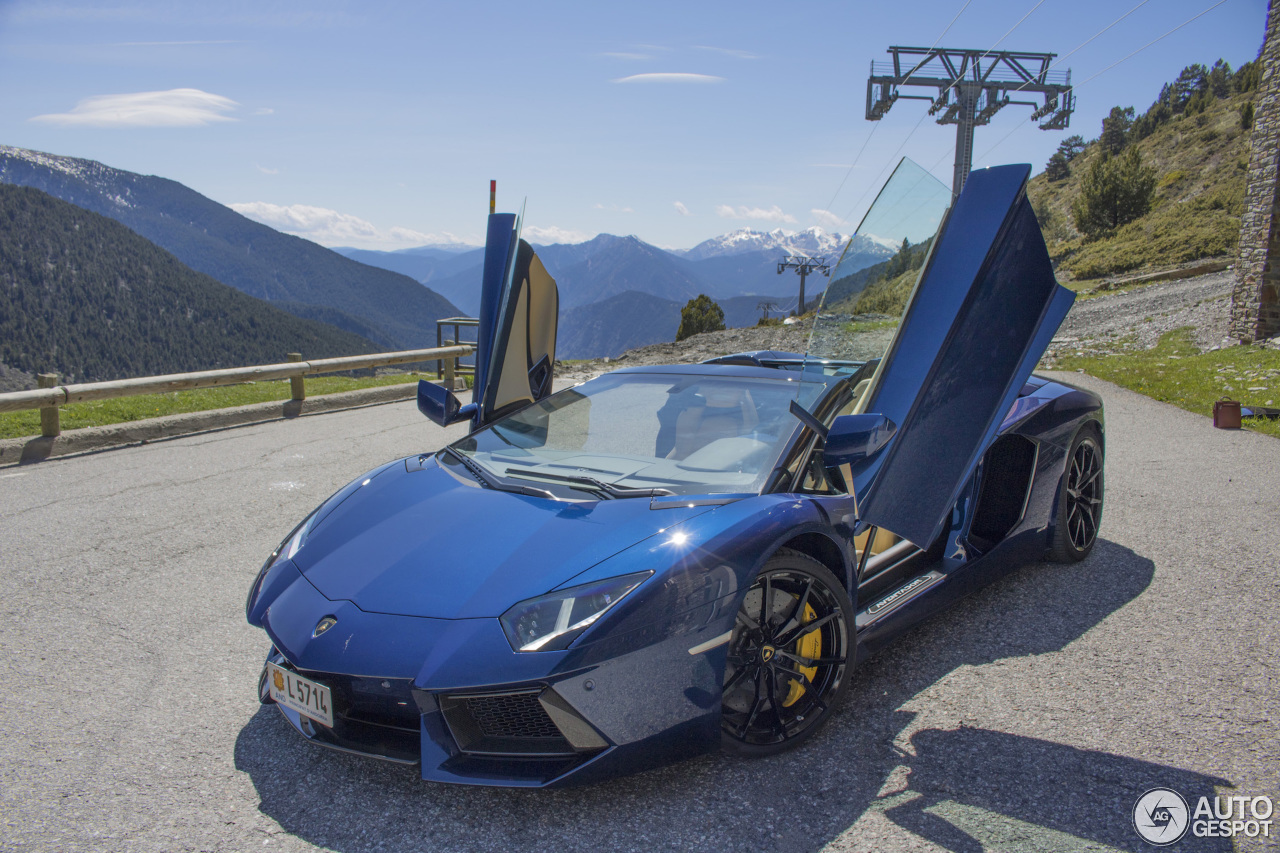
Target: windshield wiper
493 482
588 484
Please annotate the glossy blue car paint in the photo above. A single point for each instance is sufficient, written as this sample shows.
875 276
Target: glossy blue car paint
985 338
418 560
501 242
543 544
441 406
639 658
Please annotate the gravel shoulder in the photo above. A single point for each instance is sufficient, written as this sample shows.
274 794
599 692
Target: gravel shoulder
1136 319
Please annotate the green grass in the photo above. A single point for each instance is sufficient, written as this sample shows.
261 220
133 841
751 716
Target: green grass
1207 226
1176 372
1082 286
1088 288
124 409
868 326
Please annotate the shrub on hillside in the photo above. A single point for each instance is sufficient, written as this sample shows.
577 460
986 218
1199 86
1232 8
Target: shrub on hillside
1207 226
699 315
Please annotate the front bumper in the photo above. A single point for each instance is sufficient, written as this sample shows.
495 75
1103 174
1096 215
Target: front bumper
542 719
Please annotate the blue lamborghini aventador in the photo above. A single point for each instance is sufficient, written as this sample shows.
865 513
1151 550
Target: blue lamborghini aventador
669 560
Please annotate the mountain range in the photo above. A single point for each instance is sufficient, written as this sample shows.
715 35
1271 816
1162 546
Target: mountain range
616 292
811 242
90 300
296 275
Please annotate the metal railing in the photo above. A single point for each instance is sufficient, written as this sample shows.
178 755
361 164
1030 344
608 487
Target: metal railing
50 395
458 323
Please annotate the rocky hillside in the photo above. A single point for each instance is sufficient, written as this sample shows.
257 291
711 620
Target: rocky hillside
1194 139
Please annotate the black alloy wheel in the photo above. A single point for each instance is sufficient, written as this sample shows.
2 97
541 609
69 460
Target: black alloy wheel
788 658
1079 500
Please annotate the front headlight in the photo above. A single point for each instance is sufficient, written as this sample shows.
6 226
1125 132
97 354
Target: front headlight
285 551
551 622
292 542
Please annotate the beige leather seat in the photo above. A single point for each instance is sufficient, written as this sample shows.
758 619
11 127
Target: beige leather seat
728 412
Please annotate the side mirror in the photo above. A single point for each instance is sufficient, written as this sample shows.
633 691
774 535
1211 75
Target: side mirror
441 405
853 439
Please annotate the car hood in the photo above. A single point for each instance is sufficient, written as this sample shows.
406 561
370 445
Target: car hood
422 543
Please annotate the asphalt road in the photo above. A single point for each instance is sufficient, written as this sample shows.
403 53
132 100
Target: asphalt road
1030 717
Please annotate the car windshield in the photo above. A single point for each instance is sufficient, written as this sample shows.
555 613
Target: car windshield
642 434
871 285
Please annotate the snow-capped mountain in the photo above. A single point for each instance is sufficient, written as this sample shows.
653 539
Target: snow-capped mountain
101 178
811 241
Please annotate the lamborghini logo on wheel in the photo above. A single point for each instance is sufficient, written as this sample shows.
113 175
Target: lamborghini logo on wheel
766 654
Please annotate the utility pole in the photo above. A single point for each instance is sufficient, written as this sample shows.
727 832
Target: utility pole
766 306
972 85
803 266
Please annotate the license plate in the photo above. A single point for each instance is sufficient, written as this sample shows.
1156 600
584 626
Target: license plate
303 695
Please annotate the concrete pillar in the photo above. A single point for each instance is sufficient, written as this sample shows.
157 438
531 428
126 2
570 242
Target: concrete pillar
1255 302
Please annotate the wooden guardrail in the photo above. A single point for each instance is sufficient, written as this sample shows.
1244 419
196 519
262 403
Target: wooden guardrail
49 396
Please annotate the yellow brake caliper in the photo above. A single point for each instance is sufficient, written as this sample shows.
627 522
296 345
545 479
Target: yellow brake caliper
808 646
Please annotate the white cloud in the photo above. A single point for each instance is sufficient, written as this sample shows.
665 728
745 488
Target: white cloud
772 214
264 170
727 51
553 234
631 56
172 108
264 111
331 228
670 77
612 208
681 209
827 219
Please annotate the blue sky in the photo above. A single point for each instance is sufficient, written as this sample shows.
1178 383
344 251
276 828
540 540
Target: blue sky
379 124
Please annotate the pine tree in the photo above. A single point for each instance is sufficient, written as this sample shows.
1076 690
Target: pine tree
1057 169
1072 147
1193 79
1220 79
1247 77
1115 129
1115 191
